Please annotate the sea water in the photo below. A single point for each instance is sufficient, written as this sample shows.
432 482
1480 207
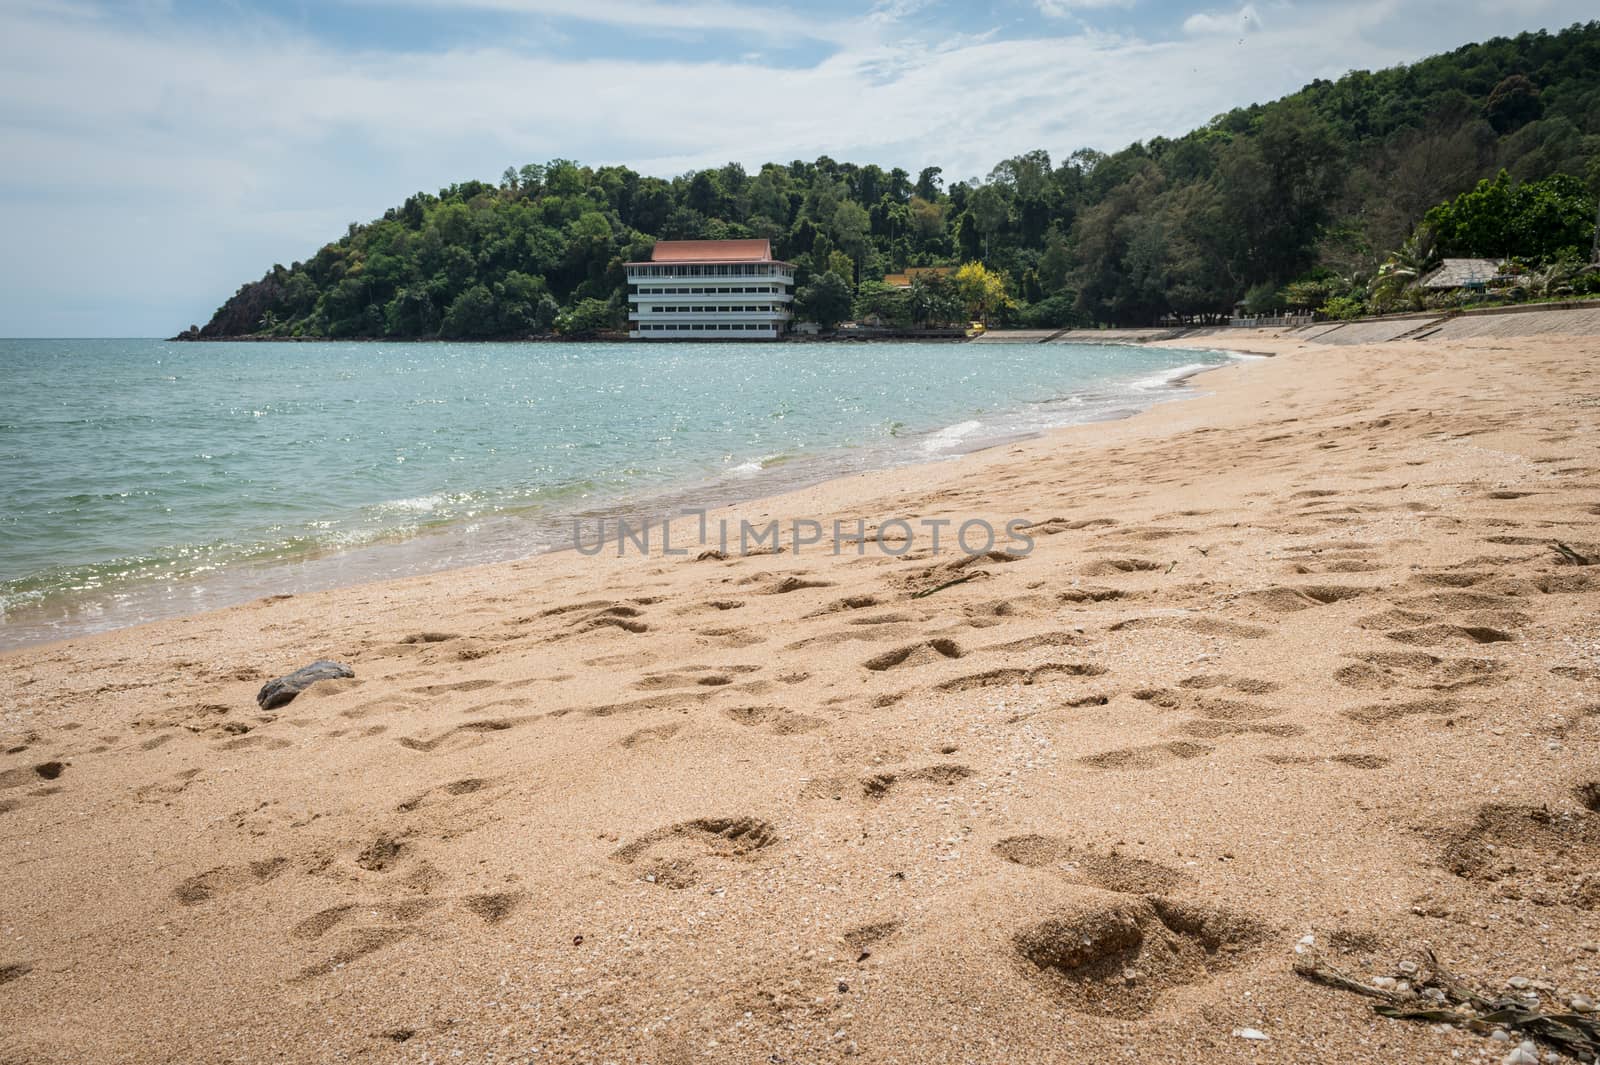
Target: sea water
142 479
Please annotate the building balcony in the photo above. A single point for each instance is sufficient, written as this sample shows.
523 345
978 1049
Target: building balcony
687 296
644 314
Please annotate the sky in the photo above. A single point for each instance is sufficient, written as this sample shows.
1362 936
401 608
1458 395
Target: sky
159 153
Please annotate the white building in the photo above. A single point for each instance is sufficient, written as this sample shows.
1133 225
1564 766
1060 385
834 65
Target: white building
710 290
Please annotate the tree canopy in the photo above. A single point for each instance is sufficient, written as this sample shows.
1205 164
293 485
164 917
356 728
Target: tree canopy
1497 145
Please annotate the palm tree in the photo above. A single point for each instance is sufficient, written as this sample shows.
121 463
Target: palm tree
1406 266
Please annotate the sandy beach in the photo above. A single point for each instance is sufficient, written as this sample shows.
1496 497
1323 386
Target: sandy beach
1297 657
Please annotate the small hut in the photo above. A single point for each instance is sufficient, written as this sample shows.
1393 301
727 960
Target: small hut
1474 275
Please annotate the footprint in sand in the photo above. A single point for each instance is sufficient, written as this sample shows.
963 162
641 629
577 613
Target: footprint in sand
1546 854
732 638
382 923
992 611
401 911
1201 626
1381 670
775 719
880 785
854 602
1150 756
494 907
1450 578
1386 713
1084 950
471 731
693 676
647 736
31 774
226 879
14 971
671 700
1434 635
1043 639
1288 599
1111 567
454 789
670 856
1109 870
863 938
1056 526
357 943
914 655
996 678
256 742
1211 729
1243 685
597 614
384 853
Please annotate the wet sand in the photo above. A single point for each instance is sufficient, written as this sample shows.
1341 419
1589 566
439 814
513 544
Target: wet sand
1294 658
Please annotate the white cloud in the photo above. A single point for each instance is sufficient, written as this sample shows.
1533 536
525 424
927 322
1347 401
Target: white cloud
1245 20
1065 8
153 166
697 15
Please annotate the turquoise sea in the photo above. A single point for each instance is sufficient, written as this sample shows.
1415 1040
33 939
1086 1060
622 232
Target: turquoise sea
142 479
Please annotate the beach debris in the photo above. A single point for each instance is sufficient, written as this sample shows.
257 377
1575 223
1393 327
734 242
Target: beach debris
280 692
1255 1035
949 584
1572 558
1433 995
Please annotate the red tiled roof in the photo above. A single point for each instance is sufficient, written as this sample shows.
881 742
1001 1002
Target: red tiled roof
712 251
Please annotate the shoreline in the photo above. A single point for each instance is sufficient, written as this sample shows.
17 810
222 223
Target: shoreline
1292 671
440 548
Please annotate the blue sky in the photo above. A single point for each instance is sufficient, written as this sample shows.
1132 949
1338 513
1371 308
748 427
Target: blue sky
158 153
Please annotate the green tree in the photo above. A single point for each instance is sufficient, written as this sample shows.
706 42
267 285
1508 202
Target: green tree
825 301
1513 104
588 316
933 301
989 210
852 231
1398 279
892 305
472 315
1536 220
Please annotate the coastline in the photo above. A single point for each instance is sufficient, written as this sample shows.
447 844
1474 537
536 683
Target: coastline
512 535
1285 659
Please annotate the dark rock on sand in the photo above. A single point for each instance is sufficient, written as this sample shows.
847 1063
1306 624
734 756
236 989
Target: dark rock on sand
276 693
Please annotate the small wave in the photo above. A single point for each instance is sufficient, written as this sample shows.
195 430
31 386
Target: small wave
1174 376
415 505
766 462
950 436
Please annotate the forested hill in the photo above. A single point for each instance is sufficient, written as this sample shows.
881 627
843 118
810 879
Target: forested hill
1307 201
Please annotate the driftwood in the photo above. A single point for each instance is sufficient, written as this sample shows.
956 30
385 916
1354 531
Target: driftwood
1571 557
1456 1003
948 584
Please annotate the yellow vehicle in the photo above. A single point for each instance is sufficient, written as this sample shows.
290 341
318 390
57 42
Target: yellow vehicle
976 329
